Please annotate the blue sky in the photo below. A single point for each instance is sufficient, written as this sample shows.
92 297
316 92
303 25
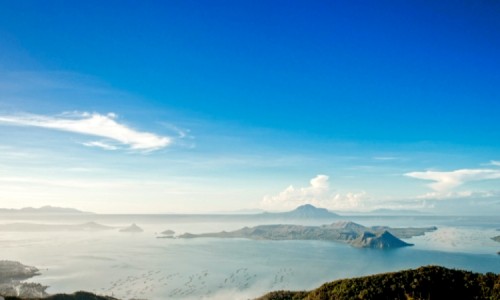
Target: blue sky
195 106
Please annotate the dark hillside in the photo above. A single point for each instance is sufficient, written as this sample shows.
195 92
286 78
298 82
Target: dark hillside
430 282
75 296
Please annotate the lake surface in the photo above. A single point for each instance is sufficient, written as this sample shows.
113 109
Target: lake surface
140 265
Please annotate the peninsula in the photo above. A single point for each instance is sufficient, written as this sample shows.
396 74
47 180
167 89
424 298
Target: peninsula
12 280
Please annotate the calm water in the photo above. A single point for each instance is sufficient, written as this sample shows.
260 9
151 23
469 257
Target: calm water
141 266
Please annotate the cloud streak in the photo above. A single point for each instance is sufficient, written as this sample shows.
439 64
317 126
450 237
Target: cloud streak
94 124
495 163
445 181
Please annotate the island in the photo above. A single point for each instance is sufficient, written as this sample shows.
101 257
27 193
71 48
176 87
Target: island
379 237
166 234
496 238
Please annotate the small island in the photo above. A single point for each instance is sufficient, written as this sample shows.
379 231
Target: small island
379 237
166 234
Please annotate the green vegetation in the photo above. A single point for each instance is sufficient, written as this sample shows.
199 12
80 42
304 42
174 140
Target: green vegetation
429 282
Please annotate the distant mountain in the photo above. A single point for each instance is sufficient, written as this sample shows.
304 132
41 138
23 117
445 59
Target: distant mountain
306 211
245 211
132 228
348 232
395 212
431 282
34 227
44 210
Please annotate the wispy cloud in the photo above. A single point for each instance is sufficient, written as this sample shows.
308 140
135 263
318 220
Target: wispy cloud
458 194
101 145
51 182
94 124
385 158
317 193
495 163
445 181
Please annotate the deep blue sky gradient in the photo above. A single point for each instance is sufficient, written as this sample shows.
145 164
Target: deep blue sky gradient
328 86
395 71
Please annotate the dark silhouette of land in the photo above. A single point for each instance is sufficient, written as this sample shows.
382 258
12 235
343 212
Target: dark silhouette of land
431 282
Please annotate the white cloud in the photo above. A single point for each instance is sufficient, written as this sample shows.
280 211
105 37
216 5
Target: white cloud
495 163
94 124
445 181
317 193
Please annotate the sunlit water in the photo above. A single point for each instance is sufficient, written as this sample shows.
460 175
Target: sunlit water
139 265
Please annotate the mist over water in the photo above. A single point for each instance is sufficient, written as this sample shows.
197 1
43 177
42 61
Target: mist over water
140 265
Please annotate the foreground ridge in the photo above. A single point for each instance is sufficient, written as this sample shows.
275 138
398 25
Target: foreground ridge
430 282
75 296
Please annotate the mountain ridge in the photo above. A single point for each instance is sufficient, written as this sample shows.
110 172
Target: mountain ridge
47 209
303 212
